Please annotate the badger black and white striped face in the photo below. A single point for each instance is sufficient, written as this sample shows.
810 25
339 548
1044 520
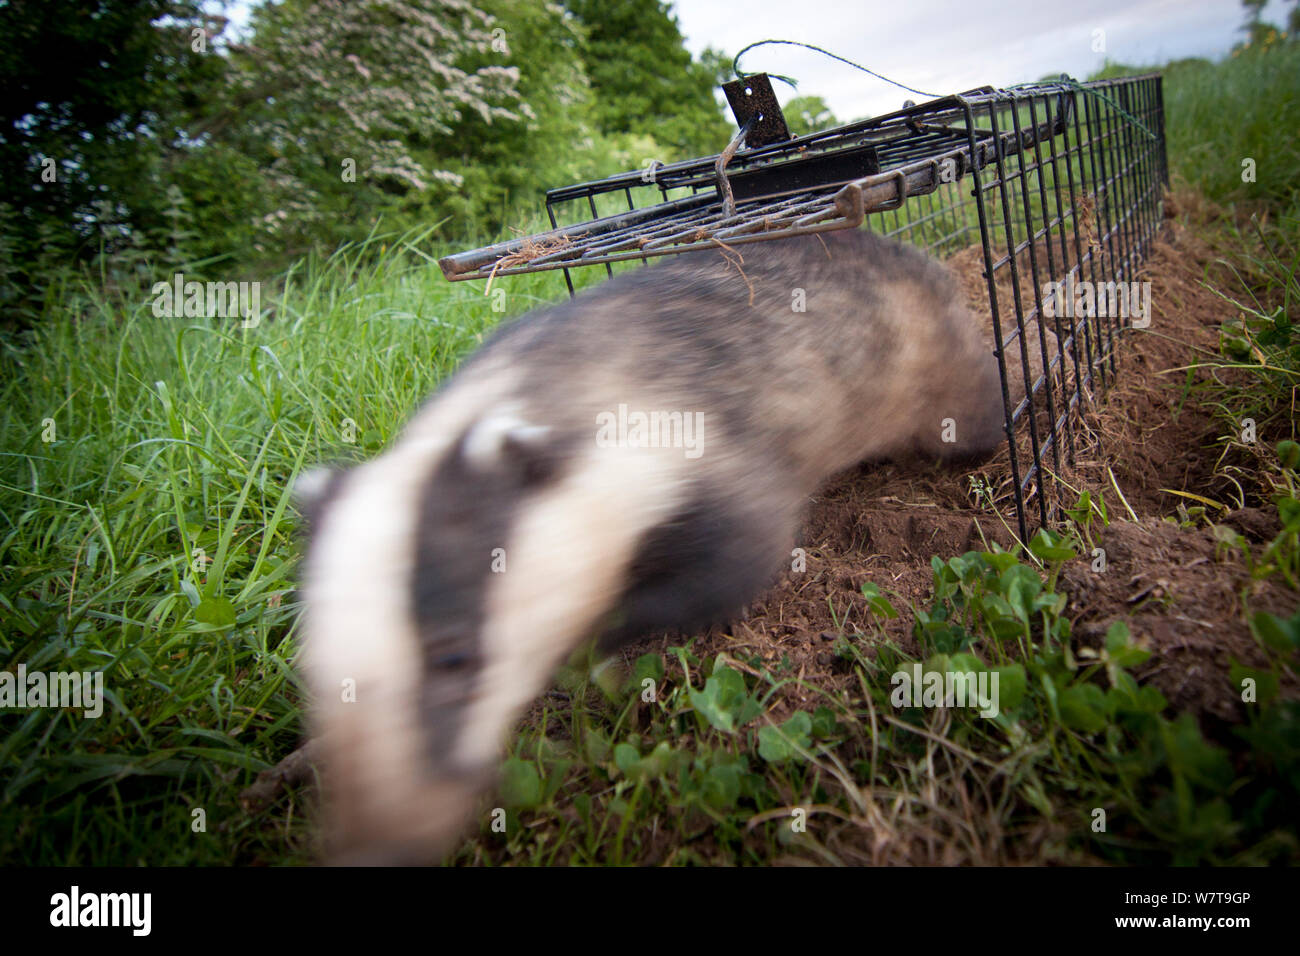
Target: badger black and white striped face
445 581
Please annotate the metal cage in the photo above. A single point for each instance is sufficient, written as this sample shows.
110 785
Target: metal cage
1055 184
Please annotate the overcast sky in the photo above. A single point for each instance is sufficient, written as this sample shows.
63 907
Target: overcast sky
942 46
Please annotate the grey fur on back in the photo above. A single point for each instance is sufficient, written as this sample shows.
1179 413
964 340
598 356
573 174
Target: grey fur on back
884 350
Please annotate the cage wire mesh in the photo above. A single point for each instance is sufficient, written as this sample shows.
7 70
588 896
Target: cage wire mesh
1051 185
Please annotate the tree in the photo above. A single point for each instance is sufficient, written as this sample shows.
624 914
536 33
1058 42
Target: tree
348 106
1258 32
645 80
808 114
94 96
507 167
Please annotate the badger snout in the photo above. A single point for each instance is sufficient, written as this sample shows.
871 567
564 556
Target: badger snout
982 421
408 818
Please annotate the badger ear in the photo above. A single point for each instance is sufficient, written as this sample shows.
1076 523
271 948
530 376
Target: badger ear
505 442
312 490
311 486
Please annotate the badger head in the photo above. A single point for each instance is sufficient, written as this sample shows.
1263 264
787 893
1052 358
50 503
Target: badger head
444 581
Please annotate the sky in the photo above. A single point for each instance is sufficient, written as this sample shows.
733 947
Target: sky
946 46
943 46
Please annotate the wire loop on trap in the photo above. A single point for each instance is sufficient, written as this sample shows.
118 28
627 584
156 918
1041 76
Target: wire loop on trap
735 64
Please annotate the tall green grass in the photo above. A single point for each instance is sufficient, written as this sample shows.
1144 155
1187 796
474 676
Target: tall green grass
1218 115
1233 131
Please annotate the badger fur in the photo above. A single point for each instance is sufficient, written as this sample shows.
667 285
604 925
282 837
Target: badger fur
515 518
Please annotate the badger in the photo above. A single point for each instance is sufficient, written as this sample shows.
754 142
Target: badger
633 461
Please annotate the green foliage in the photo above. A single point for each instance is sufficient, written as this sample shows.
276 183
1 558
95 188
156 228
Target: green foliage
1256 374
646 82
790 741
877 601
93 102
724 702
1075 733
1218 115
346 108
808 114
232 160
1112 742
521 785
506 167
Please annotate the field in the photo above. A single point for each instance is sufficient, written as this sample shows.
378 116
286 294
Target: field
146 531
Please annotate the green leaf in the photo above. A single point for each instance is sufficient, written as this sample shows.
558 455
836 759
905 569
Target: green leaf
217 611
948 638
1020 585
824 724
779 744
1129 656
191 592
1266 682
879 603
1279 634
685 656
1120 649
1117 636
1049 547
1012 684
1288 510
521 787
648 667
626 757
966 663
1151 701
724 702
999 561
720 787
1082 510
658 762
595 745
1050 691
582 803
1083 708
1192 756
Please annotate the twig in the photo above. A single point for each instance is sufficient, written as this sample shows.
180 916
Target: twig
298 767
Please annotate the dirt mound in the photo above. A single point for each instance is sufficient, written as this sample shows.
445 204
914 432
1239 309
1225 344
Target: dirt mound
875 524
1182 594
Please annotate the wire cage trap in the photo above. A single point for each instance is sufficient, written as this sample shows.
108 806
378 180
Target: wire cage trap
1053 186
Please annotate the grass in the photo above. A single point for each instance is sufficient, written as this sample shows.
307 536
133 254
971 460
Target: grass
146 532
1220 114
